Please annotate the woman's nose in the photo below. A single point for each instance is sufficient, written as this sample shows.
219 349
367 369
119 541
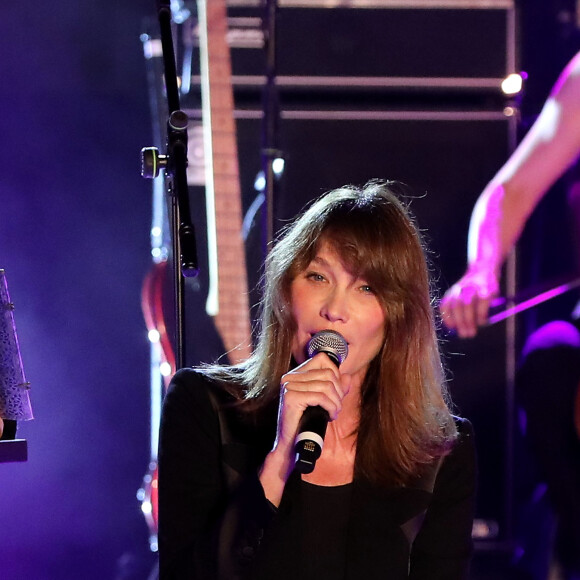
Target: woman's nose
335 306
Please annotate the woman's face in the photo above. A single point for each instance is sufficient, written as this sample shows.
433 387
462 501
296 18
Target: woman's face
326 296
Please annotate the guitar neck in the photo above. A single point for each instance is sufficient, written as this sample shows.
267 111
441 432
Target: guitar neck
228 293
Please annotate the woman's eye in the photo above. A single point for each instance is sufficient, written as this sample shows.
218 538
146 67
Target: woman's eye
367 289
315 276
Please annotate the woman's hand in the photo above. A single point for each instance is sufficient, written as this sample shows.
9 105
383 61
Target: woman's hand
316 382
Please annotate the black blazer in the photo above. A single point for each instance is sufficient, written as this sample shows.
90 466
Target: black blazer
215 522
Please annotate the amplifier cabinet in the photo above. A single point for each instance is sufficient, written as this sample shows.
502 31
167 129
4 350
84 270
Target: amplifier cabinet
427 45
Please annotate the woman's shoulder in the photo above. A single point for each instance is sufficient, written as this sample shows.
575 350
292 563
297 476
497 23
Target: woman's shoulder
462 459
196 395
189 375
464 426
464 444
194 392
191 381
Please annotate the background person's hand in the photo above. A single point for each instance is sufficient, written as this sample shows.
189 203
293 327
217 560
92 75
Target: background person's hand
465 306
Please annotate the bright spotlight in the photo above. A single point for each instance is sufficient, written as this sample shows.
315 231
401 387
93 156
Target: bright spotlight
146 507
260 182
278 165
165 369
512 84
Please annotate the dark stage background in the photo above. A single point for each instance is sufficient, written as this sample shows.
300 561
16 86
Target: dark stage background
74 241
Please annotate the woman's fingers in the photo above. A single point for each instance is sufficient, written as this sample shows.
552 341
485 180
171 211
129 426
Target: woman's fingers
299 400
317 382
320 362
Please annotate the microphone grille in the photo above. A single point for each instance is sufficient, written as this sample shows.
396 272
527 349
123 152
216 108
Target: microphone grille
328 341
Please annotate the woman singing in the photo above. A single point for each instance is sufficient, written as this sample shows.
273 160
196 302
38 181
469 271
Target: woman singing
392 494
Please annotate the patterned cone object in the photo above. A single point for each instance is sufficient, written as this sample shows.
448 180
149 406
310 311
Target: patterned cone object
14 390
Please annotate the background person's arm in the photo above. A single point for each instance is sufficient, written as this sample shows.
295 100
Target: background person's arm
502 209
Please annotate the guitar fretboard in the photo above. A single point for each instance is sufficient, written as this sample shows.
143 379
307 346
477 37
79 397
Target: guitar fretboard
228 294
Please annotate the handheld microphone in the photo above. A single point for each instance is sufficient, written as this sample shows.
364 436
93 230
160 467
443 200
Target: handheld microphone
312 427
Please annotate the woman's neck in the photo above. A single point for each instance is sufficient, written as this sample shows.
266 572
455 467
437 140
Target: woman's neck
336 463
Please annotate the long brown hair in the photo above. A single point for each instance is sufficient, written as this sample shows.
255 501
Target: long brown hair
405 421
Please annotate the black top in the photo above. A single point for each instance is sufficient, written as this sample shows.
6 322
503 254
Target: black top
216 524
319 551
324 517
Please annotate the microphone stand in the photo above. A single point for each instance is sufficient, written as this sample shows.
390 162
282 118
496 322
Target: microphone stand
270 151
184 245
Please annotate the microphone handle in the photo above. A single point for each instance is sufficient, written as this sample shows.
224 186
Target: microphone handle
310 438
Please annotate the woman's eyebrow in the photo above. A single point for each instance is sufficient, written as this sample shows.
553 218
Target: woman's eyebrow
320 260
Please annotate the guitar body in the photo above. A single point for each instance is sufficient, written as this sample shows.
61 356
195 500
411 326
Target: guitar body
154 307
